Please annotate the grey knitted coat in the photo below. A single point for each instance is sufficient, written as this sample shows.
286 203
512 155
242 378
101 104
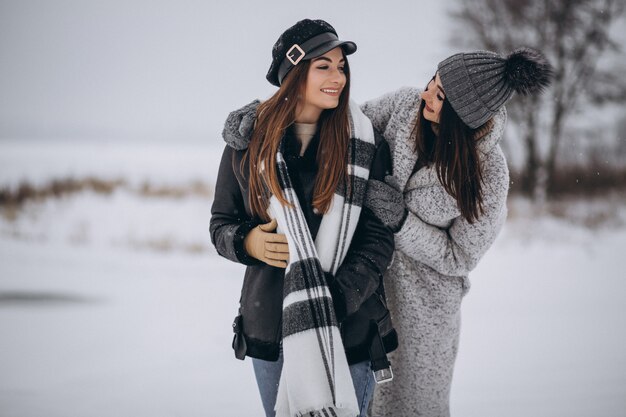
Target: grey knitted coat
435 250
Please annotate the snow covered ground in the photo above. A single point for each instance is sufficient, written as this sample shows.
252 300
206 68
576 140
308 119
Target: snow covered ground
116 305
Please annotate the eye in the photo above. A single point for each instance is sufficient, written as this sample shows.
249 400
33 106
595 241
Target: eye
342 69
323 67
439 97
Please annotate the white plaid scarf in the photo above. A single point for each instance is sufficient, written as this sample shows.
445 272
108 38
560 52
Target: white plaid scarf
315 379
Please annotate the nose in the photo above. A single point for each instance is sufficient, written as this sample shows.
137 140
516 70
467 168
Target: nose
426 95
337 76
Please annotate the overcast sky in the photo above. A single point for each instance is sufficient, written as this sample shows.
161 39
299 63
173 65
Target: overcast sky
174 69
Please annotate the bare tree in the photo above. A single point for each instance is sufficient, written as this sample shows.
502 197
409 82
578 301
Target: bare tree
573 34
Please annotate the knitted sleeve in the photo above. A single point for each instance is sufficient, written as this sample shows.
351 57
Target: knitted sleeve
455 251
381 109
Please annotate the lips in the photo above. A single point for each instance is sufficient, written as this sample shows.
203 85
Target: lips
428 108
330 91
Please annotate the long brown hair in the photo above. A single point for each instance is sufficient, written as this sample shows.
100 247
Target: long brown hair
454 153
274 116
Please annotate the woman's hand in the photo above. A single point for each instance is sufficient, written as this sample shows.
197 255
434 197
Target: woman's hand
239 126
267 246
386 201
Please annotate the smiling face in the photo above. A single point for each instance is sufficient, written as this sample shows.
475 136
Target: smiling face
433 97
326 80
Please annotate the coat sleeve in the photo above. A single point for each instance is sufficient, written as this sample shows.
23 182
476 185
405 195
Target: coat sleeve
455 251
229 221
369 255
380 110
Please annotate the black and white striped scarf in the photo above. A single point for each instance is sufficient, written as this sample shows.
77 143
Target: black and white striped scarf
315 379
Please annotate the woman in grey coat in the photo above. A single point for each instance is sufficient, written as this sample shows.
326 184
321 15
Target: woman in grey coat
446 201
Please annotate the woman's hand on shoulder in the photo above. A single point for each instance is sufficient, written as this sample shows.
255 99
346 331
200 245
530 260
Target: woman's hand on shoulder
386 201
239 126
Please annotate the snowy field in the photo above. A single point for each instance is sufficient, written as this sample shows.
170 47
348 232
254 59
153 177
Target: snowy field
117 305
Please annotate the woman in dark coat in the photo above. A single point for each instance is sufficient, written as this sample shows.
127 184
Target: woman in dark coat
288 203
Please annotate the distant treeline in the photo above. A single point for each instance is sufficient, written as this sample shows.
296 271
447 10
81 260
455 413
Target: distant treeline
571 181
58 188
579 181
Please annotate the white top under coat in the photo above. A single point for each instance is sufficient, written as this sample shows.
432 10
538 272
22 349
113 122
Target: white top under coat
304 132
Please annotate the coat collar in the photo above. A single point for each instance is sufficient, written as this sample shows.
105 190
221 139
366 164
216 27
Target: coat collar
486 144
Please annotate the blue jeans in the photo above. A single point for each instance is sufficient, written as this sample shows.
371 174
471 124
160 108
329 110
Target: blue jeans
268 374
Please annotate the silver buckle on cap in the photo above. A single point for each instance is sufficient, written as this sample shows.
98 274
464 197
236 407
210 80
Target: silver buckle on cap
298 54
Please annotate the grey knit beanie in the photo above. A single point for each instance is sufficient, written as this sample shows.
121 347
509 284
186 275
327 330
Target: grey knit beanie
478 83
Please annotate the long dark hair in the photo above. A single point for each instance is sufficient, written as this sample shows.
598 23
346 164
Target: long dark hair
454 153
274 116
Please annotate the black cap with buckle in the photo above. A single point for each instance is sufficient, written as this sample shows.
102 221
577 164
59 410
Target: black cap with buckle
305 40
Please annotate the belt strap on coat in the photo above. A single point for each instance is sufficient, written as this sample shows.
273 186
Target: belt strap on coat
380 363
